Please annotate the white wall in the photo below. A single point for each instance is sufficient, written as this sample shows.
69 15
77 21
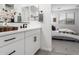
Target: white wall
72 27
46 41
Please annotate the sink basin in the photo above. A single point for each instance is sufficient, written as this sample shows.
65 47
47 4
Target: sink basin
7 28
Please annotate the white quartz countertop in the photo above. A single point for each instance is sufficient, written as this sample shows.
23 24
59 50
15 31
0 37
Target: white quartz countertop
19 30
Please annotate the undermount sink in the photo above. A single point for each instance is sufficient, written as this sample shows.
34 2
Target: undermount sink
7 28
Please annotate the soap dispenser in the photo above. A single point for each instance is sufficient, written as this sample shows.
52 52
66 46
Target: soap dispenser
19 18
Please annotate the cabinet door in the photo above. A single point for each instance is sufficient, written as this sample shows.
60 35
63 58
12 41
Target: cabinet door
36 42
32 44
17 48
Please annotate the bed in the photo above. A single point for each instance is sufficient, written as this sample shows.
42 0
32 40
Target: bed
65 34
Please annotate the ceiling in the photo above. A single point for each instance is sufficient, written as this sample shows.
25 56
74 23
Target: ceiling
57 7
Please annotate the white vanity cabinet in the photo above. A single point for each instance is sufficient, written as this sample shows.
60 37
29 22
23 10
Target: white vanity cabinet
32 42
12 44
20 43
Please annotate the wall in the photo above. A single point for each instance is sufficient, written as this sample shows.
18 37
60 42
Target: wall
46 41
72 27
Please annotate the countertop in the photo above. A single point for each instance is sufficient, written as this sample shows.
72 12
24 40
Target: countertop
18 31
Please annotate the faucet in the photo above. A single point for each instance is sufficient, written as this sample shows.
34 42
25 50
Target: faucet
23 26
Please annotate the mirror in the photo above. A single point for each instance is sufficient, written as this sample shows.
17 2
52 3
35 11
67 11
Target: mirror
18 13
30 13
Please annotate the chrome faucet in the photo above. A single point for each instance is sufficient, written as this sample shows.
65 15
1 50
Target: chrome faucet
23 26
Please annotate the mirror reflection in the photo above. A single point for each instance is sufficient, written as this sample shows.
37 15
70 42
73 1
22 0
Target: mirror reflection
18 13
30 13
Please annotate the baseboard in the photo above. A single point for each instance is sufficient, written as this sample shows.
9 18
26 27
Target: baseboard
46 49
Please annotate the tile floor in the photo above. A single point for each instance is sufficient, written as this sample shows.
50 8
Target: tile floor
61 47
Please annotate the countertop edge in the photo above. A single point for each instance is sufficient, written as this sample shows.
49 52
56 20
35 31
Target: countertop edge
17 31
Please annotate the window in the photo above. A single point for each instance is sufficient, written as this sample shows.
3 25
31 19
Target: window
70 18
67 18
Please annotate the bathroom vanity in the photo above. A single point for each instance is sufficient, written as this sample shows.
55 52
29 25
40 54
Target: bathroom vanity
24 41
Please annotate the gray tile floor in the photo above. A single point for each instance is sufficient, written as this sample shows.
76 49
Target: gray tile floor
61 47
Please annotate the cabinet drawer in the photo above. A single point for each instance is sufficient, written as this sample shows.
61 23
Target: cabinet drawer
32 44
10 38
13 49
32 32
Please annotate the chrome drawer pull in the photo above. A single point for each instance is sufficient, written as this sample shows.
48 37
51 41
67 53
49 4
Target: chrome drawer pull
9 39
12 52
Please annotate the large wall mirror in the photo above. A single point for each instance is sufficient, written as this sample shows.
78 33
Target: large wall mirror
18 13
30 13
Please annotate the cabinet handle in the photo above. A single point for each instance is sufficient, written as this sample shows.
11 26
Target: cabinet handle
12 52
35 39
9 39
